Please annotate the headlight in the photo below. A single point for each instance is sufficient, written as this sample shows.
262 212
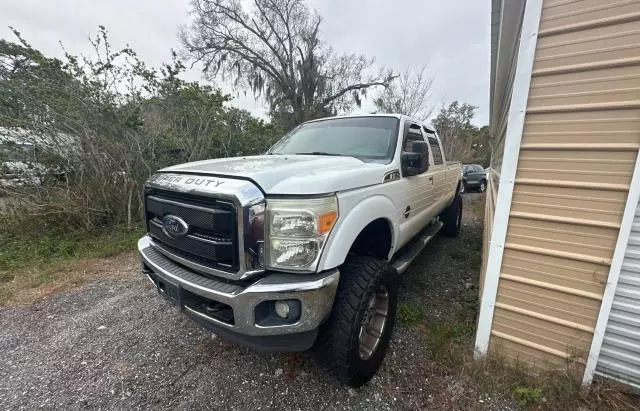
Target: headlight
297 230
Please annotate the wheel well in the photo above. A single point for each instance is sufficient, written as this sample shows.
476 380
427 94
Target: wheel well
374 240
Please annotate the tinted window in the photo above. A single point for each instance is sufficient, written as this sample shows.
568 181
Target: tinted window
367 138
412 133
435 150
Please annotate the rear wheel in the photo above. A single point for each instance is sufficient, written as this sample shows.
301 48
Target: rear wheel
355 338
451 217
463 187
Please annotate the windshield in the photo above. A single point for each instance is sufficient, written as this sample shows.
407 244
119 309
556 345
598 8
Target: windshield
366 138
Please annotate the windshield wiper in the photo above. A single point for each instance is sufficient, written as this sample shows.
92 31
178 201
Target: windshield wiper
322 153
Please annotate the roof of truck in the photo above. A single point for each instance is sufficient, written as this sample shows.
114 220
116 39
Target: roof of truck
395 115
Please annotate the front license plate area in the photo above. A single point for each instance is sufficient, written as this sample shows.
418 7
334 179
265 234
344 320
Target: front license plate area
169 291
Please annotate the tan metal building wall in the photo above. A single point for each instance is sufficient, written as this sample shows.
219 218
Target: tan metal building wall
578 150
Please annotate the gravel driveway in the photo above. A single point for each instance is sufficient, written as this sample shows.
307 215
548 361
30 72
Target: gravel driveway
114 343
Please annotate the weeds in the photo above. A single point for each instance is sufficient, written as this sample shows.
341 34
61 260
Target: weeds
527 396
29 262
477 207
446 339
410 313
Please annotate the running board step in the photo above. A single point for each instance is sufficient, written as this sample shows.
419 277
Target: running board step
411 250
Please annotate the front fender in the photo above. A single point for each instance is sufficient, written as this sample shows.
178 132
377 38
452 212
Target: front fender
352 223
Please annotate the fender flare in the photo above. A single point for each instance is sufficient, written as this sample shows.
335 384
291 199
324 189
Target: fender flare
351 225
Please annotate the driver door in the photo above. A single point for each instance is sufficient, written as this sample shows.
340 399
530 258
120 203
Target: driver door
415 208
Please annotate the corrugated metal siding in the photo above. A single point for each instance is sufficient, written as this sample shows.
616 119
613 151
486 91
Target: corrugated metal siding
578 150
620 352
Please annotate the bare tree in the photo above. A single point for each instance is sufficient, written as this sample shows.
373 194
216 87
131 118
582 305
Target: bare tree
274 48
409 94
456 131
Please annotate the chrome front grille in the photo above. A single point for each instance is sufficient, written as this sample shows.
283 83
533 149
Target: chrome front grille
212 238
225 218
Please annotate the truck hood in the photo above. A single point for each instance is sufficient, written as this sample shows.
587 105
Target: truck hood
292 174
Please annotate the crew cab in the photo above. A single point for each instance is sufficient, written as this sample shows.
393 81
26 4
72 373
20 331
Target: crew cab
303 246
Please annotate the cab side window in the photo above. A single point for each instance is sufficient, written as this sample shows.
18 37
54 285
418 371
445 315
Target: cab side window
435 150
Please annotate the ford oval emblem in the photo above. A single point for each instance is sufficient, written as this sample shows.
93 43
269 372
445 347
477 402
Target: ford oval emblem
174 226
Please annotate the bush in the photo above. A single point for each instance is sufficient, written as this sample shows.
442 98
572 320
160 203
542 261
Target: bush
101 126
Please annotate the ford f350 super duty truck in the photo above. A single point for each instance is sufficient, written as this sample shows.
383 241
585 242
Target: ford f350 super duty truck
303 246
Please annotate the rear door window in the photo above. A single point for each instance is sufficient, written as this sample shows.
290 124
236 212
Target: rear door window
435 150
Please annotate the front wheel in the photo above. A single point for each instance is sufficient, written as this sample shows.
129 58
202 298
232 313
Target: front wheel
355 338
483 186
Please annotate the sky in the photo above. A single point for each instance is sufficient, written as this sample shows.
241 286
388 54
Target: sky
451 37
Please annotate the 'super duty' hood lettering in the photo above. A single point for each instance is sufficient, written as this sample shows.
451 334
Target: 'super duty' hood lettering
242 191
188 180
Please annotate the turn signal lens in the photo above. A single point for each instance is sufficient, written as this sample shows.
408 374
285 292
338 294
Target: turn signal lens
326 221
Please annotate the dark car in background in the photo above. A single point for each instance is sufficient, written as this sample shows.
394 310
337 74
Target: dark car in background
474 177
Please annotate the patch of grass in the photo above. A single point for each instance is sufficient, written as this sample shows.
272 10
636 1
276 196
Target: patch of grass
410 313
443 340
527 396
29 262
448 338
477 206
25 251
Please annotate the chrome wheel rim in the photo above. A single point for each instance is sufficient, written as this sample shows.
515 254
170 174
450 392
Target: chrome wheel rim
482 187
373 322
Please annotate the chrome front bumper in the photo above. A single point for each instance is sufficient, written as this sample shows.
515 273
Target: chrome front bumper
315 293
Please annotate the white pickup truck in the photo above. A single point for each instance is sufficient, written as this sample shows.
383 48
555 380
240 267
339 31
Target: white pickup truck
303 246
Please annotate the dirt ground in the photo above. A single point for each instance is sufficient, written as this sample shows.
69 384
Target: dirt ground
114 343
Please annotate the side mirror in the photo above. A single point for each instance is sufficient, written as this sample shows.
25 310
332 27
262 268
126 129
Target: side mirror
416 161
